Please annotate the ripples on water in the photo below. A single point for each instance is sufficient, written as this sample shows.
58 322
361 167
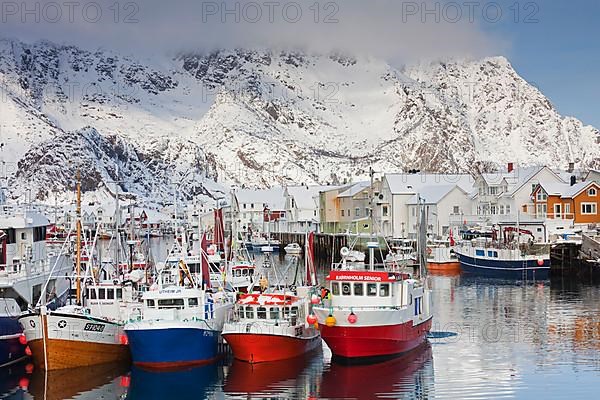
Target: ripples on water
512 340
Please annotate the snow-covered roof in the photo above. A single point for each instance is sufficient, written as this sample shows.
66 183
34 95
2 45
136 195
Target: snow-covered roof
413 183
433 194
22 219
274 197
565 190
304 196
354 189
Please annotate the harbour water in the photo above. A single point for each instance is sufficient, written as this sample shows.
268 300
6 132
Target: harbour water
492 339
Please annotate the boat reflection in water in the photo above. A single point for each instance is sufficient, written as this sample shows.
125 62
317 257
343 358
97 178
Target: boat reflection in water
103 381
292 378
13 381
186 383
408 375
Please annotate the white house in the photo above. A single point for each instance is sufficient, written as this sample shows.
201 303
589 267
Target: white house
252 204
499 196
398 191
302 207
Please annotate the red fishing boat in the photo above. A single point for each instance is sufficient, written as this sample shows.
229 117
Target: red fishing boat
275 325
375 311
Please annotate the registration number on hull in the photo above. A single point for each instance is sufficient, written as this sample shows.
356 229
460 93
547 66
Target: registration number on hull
93 327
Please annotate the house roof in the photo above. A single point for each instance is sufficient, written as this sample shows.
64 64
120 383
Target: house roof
354 189
565 190
304 196
413 183
273 197
433 194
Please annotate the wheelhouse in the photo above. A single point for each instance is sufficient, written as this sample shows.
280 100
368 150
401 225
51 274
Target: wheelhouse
275 308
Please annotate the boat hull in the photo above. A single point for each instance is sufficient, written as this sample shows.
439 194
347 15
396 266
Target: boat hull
73 341
171 347
374 342
507 269
450 266
256 348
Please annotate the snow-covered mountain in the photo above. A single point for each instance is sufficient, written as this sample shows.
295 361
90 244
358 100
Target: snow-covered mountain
259 118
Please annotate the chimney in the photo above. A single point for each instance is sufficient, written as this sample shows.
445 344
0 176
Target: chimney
511 167
573 180
571 167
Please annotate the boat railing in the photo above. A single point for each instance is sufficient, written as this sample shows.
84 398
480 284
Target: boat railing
21 270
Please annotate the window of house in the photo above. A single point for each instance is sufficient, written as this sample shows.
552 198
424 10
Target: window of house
384 211
414 211
588 208
23 236
371 289
507 209
592 192
493 190
335 288
541 195
348 212
384 289
501 209
342 213
358 289
541 210
357 212
455 210
493 210
558 210
568 210
244 205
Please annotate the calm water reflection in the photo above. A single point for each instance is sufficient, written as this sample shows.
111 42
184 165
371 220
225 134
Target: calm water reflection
513 341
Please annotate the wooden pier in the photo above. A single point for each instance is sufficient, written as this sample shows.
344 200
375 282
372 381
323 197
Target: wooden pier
327 246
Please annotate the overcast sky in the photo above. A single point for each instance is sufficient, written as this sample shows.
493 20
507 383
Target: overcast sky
531 34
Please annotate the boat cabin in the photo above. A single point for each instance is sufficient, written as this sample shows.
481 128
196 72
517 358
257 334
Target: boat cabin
273 308
177 303
370 288
241 270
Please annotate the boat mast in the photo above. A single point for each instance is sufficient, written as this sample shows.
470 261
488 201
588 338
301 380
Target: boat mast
78 241
117 221
371 223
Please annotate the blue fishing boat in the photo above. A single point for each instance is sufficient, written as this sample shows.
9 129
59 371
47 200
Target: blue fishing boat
180 324
488 260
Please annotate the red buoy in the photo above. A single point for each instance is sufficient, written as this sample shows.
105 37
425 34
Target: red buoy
29 368
123 340
24 383
125 381
540 262
352 318
311 319
23 339
28 351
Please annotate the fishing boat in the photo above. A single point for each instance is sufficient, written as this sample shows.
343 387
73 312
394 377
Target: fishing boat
293 249
506 258
375 311
80 334
30 272
273 324
180 321
441 257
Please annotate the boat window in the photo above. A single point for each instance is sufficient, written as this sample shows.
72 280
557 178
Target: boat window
150 303
480 253
110 294
237 272
193 302
384 289
294 311
170 303
249 312
371 289
274 313
101 294
286 312
358 289
335 288
119 293
244 272
346 288
251 271
92 294
261 313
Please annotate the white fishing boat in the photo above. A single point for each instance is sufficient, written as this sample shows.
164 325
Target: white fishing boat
293 249
26 275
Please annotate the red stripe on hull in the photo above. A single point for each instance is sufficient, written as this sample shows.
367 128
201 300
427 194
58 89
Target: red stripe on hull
374 341
166 366
444 266
257 348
